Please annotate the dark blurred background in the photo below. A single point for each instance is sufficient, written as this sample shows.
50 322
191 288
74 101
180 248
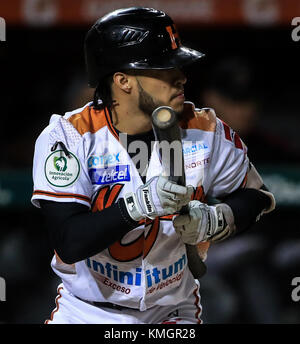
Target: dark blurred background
250 75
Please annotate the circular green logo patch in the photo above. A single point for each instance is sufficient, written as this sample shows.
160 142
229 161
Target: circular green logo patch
60 170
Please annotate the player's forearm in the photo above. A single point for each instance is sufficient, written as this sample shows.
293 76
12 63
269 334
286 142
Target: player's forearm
237 212
77 233
247 205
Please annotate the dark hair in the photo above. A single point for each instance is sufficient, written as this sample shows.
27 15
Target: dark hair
103 93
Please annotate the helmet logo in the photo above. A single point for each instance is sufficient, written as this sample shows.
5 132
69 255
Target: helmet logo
173 36
131 36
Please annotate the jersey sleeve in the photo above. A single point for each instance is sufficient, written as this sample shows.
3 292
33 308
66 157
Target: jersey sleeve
59 170
229 162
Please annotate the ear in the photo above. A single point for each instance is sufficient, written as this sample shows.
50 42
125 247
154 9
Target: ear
122 81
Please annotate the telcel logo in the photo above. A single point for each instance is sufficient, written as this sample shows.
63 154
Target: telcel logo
2 29
2 289
110 175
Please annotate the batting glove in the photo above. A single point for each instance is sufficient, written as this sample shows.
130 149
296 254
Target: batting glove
203 223
158 197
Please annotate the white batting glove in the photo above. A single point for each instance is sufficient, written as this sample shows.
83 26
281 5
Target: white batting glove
158 197
202 223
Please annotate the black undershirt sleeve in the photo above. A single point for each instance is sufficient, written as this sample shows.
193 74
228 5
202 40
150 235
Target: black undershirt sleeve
247 205
76 233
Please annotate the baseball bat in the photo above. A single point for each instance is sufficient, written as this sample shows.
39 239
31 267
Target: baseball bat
166 129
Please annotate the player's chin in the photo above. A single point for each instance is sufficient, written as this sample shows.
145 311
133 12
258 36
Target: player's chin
177 105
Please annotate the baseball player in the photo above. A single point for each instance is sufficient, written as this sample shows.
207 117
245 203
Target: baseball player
116 228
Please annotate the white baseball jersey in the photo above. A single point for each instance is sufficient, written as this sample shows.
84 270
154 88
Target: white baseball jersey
148 266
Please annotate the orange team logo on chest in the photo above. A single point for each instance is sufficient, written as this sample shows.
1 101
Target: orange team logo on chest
141 246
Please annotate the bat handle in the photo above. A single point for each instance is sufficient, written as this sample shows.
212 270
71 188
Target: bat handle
196 265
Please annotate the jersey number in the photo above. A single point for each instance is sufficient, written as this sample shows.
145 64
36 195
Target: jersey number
142 245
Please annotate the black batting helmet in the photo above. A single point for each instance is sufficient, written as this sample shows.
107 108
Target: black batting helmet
134 38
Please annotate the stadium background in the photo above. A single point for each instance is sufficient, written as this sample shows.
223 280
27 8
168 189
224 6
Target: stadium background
42 72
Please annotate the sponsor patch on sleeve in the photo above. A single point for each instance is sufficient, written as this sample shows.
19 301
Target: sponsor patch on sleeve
60 170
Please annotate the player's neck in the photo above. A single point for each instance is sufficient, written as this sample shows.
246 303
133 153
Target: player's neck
129 120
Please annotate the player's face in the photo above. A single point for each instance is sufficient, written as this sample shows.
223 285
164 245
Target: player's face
160 87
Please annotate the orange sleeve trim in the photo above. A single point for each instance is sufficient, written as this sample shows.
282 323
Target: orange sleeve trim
61 195
91 120
200 122
204 119
88 120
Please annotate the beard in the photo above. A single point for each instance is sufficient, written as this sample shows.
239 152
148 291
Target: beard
147 103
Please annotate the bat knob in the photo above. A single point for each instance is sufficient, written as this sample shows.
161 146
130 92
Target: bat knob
164 117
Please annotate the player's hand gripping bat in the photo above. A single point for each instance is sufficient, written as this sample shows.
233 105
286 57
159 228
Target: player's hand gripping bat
166 128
